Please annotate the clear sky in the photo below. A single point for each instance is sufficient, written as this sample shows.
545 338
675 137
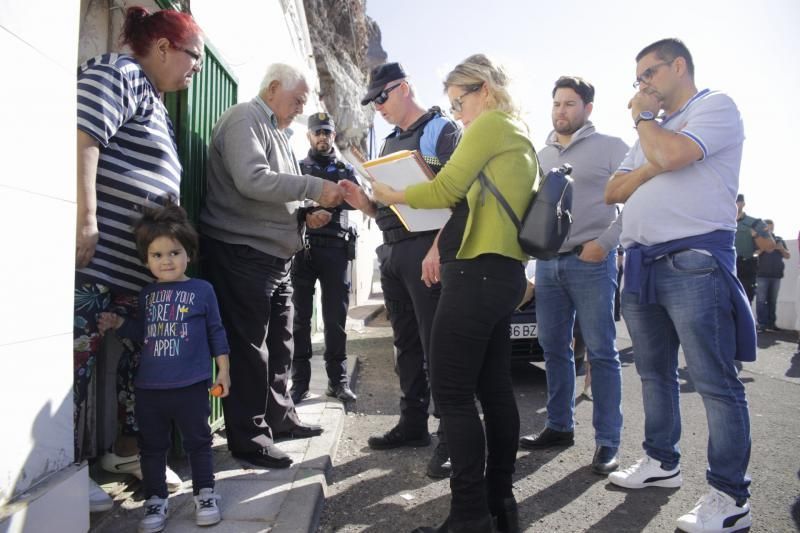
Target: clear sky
751 50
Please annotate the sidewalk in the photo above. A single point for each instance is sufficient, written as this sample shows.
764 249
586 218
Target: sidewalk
253 499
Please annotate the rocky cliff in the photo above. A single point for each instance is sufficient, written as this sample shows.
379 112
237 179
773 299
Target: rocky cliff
347 44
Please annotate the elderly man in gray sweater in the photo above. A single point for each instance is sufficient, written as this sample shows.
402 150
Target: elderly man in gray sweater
251 230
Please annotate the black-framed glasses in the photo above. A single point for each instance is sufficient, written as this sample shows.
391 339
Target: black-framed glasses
384 94
321 132
455 105
197 58
649 72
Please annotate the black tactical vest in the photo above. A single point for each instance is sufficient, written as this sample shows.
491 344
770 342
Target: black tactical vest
334 171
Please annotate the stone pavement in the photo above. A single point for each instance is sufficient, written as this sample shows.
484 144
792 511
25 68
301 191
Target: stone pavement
253 499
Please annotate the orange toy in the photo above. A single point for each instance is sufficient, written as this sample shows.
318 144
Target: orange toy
216 390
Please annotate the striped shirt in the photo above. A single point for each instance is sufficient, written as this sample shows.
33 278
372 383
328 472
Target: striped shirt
138 166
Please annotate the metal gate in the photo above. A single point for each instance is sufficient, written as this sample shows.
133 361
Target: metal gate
194 112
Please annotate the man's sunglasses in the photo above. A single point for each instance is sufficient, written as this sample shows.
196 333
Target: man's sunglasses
384 94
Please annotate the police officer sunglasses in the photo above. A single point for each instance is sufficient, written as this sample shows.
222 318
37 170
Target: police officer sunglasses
384 94
321 132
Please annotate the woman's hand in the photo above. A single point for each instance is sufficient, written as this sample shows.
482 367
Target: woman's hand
107 321
386 195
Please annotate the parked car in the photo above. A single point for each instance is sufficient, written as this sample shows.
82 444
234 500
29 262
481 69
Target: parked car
525 345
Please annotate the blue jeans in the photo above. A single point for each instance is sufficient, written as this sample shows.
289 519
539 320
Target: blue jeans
565 287
766 300
692 311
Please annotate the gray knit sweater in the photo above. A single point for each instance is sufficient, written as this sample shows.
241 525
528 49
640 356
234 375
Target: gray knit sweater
254 183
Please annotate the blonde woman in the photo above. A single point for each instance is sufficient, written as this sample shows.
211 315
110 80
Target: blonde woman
483 278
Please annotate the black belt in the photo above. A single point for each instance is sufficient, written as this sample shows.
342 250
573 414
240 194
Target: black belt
394 235
577 251
329 242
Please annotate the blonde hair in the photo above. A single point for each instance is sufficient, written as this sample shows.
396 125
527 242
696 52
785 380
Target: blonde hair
478 69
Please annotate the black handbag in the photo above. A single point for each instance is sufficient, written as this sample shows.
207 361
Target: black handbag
548 218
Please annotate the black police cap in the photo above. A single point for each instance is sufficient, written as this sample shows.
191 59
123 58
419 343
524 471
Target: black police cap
321 121
379 77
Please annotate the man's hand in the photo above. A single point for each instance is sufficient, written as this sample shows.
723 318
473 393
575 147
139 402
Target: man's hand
317 219
355 196
592 252
430 265
86 239
644 101
332 195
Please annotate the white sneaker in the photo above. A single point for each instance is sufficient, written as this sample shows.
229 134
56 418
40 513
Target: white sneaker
646 472
116 464
206 511
99 500
155 515
716 512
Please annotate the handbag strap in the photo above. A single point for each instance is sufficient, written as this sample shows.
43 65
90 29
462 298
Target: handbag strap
486 182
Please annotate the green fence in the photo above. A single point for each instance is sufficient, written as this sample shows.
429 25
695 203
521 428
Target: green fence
194 112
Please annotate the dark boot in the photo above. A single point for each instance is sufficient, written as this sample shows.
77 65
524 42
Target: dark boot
505 515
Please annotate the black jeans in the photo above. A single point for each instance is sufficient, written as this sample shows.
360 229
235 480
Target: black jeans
747 271
329 265
411 306
255 302
189 408
471 355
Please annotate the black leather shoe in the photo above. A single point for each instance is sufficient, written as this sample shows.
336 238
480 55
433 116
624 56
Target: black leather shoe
342 392
298 395
396 437
269 457
606 460
439 467
549 438
302 431
505 515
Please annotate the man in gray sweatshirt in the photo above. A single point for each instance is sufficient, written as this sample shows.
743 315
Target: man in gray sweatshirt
251 230
581 281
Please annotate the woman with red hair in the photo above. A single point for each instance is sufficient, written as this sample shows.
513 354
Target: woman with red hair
127 160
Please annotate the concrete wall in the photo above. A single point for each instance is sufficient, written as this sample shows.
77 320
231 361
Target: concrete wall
790 286
37 216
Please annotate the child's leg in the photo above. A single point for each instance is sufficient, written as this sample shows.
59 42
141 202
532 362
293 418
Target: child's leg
191 416
153 414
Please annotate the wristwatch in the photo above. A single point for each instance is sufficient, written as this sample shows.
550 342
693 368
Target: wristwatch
644 115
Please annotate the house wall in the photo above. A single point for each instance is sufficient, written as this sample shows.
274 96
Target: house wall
38 484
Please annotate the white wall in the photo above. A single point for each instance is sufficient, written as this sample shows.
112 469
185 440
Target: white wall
786 311
37 217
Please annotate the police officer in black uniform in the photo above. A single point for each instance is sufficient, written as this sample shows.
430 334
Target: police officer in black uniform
329 247
409 291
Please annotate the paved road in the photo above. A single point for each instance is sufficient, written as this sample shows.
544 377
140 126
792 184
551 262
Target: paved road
388 491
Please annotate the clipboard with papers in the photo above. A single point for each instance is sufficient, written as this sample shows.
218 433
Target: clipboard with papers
399 170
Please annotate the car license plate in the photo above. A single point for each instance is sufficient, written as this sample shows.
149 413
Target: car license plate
523 331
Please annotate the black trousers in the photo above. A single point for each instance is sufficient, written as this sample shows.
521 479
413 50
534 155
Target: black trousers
255 300
747 271
189 408
471 355
328 264
411 306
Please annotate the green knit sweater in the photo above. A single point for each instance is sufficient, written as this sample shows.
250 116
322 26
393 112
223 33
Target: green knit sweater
498 144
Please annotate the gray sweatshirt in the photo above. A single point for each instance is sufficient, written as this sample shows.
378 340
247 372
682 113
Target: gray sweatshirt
594 158
254 183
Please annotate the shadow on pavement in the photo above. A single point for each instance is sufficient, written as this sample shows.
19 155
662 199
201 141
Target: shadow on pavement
635 512
555 496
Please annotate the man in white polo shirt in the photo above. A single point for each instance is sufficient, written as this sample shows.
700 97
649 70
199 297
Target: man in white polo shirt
680 283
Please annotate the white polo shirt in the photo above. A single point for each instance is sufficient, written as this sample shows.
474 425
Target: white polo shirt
698 198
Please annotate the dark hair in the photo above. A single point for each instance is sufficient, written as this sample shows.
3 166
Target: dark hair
768 221
668 50
584 89
167 221
141 28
